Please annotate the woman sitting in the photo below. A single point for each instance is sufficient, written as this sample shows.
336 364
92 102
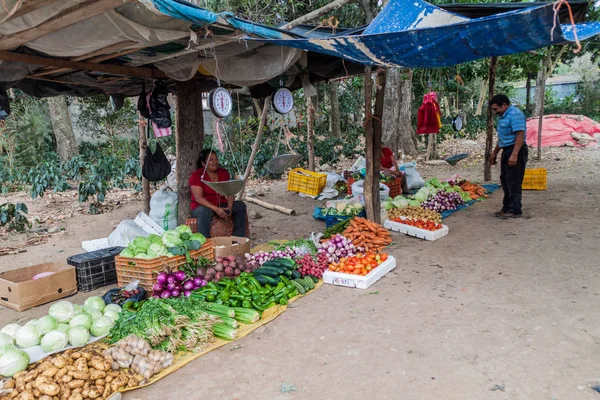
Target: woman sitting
207 203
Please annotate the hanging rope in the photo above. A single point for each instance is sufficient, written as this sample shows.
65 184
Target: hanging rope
556 7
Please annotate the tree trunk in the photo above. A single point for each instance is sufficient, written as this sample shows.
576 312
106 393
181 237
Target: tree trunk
143 145
310 133
377 131
482 93
66 145
398 131
540 87
369 147
335 118
189 139
489 139
366 6
528 92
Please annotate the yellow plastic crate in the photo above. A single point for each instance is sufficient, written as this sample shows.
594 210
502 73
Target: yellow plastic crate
535 179
304 181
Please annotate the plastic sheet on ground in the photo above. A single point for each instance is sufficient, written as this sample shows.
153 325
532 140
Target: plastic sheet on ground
183 359
557 129
489 188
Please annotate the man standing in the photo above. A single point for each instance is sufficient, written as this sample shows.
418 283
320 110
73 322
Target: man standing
511 139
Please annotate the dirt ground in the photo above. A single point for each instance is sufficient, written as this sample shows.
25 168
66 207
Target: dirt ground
496 310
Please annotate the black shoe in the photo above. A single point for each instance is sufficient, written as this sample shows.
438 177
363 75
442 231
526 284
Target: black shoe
499 213
510 215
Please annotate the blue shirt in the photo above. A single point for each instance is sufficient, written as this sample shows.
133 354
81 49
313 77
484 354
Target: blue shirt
511 122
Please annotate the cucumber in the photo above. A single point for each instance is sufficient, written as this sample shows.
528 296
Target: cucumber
272 264
261 279
266 272
303 283
314 278
296 275
268 280
287 273
299 287
310 282
287 262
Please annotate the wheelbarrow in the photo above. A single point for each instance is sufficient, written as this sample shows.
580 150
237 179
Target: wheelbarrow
456 158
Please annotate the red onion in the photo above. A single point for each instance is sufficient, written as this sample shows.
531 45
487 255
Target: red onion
179 275
188 285
198 281
171 278
165 294
175 293
155 296
158 288
161 278
187 293
171 286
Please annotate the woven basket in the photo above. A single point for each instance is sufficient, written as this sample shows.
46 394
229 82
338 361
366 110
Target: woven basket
219 227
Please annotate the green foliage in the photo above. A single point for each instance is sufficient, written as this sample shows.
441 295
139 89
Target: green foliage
14 216
98 116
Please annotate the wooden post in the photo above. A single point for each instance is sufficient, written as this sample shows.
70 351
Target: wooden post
143 146
256 145
369 147
489 138
377 133
540 126
528 92
189 138
310 134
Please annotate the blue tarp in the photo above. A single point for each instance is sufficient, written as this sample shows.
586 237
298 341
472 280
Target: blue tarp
416 34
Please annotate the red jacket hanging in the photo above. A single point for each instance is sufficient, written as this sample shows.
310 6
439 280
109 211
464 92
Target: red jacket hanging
429 117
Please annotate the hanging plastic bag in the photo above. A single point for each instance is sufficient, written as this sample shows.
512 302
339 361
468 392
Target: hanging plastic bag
142 105
360 164
358 191
163 209
159 107
156 166
125 233
413 179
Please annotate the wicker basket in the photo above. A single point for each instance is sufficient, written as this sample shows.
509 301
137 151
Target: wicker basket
129 269
219 227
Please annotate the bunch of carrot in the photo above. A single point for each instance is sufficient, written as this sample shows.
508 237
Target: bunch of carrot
474 190
368 235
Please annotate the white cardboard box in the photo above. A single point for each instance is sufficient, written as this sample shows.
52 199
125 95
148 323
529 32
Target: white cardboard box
359 281
142 220
416 232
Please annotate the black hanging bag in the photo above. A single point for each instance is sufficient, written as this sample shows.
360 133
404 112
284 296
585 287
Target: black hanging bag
156 166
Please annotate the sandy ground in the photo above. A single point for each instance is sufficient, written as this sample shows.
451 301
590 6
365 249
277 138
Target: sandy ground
496 310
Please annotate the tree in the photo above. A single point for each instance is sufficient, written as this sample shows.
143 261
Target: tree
66 145
334 103
398 131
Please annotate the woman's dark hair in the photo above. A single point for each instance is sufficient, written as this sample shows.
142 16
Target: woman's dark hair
204 154
500 100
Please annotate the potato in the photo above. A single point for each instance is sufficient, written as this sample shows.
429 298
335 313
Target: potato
60 362
81 364
40 380
95 374
85 375
65 391
109 379
100 382
94 393
26 395
31 375
50 389
77 390
85 393
97 363
66 379
29 386
19 374
44 366
107 392
36 393
75 396
45 397
86 355
107 363
75 383
76 355
50 372
61 372
9 384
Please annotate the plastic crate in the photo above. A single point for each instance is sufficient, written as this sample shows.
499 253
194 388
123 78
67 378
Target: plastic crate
304 181
395 186
351 181
535 179
129 269
95 269
331 220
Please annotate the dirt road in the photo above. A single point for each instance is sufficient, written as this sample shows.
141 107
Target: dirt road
496 310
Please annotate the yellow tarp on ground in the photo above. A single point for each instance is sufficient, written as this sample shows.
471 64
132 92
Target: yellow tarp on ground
185 358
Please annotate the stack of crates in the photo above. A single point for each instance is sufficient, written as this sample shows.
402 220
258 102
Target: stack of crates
96 268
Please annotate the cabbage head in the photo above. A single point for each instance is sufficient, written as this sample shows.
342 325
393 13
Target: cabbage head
83 319
7 347
13 361
54 341
171 239
5 338
101 326
10 329
127 252
400 202
114 316
94 303
154 238
62 311
63 328
78 336
158 249
184 229
422 195
27 336
141 243
46 324
95 314
414 203
144 256
388 204
113 307
199 237
77 309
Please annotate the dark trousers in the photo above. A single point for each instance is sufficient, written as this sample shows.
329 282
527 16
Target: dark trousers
511 178
205 216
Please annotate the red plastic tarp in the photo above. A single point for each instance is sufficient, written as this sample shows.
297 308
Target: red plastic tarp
557 129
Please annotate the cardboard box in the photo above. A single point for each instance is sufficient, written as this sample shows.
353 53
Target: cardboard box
230 246
20 292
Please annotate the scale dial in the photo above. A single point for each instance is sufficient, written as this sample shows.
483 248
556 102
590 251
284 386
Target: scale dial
283 101
220 101
457 123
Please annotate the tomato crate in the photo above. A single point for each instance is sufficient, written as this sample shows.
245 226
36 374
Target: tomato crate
331 220
360 281
535 179
129 269
95 268
414 231
304 181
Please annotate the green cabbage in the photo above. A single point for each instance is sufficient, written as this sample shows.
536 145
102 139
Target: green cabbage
388 204
6 338
77 309
144 256
199 237
13 361
114 316
94 303
141 243
101 326
422 195
184 229
63 328
83 319
400 202
54 341
127 252
95 314
7 347
62 311
171 239
46 324
154 238
27 336
10 329
158 249
414 203
78 336
113 307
